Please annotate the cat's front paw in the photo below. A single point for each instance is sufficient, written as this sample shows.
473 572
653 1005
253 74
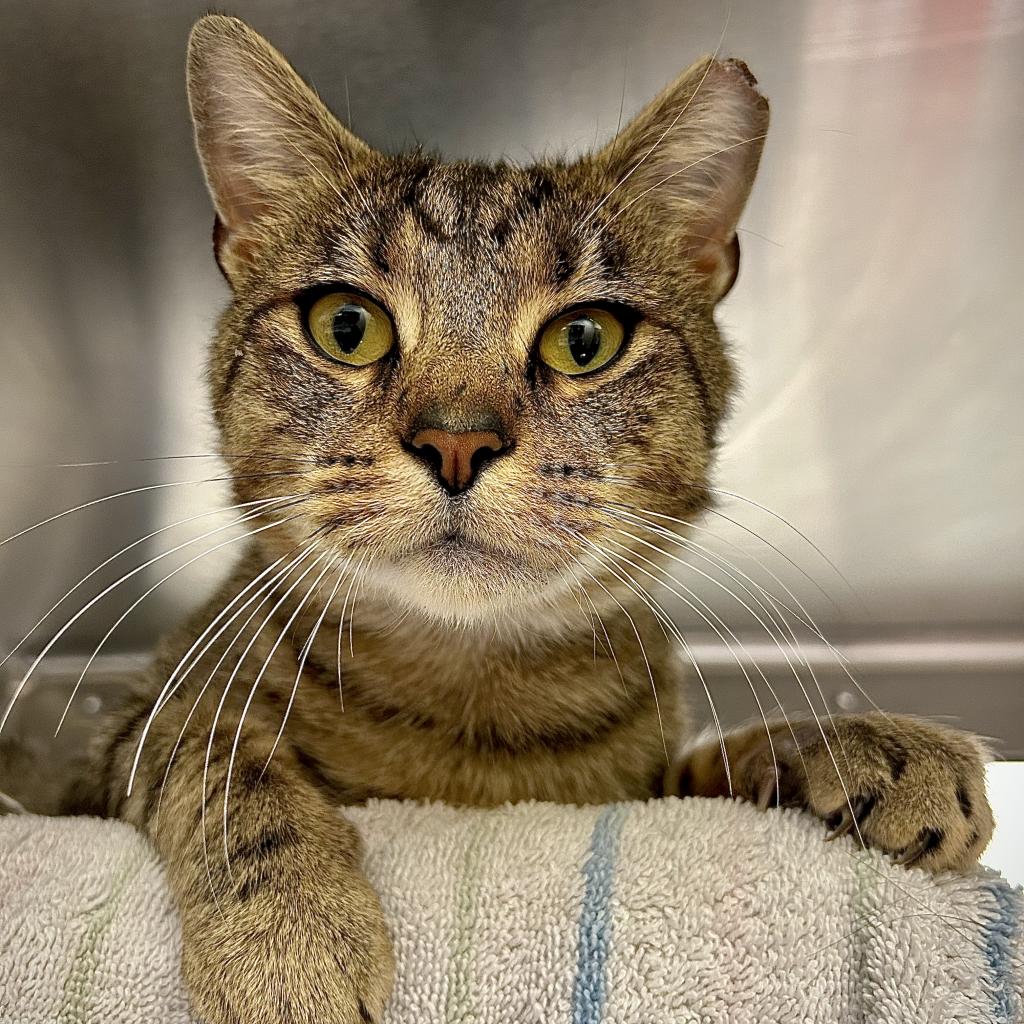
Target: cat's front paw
904 786
320 956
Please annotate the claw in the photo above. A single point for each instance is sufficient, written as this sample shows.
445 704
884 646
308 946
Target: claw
850 821
768 787
928 840
842 827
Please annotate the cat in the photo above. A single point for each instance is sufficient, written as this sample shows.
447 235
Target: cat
464 404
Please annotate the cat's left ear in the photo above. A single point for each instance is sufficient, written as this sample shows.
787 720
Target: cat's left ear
261 133
689 159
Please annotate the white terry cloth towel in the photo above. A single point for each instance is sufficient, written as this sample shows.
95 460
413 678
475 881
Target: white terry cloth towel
668 912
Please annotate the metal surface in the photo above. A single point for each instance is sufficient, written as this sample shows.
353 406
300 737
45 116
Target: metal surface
877 318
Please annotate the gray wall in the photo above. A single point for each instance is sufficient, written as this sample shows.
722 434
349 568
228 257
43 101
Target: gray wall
877 317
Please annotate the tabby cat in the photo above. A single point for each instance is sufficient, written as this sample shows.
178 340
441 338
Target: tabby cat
468 401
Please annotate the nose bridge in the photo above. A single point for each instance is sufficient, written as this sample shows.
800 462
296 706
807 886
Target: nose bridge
460 391
459 377
462 412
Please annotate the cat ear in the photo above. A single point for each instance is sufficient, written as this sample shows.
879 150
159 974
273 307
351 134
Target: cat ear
259 130
690 157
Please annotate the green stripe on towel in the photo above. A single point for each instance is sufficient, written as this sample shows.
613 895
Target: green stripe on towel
79 984
459 1004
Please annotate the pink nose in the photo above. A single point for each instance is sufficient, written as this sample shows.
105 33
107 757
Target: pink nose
456 458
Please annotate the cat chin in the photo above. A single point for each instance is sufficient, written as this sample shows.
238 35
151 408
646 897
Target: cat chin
469 587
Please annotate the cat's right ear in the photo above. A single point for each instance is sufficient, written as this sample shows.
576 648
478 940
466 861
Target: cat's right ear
259 129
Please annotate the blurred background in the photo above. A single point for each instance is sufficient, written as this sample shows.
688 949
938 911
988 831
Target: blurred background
877 318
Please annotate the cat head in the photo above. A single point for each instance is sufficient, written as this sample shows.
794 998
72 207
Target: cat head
470 371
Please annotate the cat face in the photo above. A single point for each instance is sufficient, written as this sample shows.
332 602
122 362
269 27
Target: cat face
469 369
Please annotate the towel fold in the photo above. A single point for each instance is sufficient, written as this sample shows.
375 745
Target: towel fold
668 912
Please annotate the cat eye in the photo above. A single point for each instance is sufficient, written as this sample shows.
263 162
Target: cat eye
582 340
350 328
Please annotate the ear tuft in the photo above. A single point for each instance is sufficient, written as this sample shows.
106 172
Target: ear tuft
690 157
259 130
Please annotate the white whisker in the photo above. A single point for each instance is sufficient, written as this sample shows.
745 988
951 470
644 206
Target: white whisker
125 494
117 554
82 611
265 591
227 689
174 682
303 656
259 678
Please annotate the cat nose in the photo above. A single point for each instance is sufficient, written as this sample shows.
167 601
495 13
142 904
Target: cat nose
456 458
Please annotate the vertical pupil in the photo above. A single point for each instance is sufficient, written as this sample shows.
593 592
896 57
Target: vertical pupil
349 326
584 337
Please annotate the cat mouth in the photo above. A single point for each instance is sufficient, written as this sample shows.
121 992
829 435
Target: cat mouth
457 552
455 573
456 543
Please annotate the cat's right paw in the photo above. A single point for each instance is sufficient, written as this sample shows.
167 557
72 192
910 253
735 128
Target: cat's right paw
323 957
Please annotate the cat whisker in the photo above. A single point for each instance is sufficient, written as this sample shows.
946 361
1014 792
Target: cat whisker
670 629
591 624
174 572
668 625
782 554
640 644
801 618
177 677
206 762
607 638
93 601
734 572
303 657
604 629
139 490
793 641
821 730
263 593
805 619
701 485
117 554
734 639
95 463
400 619
227 689
757 536
259 678
341 622
265 590
785 522
352 617
724 566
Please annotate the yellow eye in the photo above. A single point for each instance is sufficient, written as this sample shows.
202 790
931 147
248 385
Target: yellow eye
582 340
350 328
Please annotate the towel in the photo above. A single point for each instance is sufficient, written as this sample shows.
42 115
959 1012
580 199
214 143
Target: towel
668 912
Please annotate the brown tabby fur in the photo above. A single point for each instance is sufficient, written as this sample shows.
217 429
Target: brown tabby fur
477 672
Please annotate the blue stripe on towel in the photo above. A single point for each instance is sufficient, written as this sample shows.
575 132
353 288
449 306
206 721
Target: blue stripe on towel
999 935
595 917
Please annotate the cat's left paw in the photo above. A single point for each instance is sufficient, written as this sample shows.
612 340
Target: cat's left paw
904 786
